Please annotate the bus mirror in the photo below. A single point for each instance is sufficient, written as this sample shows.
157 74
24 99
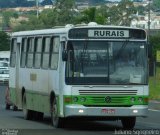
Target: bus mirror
64 55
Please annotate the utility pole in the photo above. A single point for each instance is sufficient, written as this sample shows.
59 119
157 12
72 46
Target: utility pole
37 7
149 17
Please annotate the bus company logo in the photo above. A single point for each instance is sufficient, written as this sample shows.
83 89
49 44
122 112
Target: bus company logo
108 99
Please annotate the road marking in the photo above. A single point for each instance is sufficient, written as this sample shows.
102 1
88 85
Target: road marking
154 110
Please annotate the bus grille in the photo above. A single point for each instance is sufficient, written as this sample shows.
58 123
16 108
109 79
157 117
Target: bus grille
108 92
114 100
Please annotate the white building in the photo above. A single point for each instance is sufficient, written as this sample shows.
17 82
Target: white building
143 21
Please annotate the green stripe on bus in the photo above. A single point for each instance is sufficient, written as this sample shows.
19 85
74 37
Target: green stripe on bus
113 100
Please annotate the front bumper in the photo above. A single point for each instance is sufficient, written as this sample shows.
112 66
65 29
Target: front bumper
80 110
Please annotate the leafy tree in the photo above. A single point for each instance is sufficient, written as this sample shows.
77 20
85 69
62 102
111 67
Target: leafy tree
126 9
121 14
47 18
114 16
155 41
89 15
93 15
64 11
33 24
156 5
140 10
7 15
62 14
4 44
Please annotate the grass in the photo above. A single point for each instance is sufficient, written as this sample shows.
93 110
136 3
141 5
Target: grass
154 86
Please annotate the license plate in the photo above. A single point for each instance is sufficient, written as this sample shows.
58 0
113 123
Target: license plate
108 111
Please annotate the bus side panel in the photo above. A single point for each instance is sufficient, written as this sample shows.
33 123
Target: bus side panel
37 102
53 81
36 87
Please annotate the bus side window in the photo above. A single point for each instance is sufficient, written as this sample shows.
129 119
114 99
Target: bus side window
23 52
54 53
30 52
13 53
45 52
38 52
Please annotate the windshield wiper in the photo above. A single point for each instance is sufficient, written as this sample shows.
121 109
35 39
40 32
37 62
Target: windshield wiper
83 55
121 49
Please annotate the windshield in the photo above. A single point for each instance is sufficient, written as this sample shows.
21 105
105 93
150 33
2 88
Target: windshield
104 62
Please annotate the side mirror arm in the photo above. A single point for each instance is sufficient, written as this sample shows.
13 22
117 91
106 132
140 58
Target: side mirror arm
64 55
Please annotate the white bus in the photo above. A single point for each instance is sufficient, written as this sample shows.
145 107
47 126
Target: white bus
91 71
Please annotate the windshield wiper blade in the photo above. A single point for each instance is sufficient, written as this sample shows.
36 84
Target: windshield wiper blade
83 53
122 49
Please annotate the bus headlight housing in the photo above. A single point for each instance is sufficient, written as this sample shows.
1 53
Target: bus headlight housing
140 99
82 99
75 99
133 99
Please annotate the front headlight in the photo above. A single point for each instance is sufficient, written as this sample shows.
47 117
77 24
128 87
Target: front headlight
140 99
82 99
75 99
133 99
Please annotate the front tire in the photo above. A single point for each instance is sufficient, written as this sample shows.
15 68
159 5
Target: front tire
7 106
38 116
27 113
128 122
57 122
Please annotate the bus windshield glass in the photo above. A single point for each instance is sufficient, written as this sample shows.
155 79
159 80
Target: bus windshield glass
106 62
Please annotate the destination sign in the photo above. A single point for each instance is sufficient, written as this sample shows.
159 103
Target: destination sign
108 33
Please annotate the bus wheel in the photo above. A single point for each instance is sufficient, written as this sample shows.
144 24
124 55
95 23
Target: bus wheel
128 122
27 113
7 106
56 120
38 115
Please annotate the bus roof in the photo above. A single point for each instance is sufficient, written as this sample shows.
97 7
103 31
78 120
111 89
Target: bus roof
65 29
39 32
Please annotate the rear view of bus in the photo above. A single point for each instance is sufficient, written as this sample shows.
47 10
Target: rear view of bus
106 73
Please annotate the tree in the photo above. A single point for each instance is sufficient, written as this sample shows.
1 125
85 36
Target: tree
33 24
102 16
7 15
89 15
93 15
156 4
126 9
121 14
4 44
114 16
62 14
47 18
155 41
64 11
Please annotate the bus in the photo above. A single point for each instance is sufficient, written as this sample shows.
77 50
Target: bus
87 71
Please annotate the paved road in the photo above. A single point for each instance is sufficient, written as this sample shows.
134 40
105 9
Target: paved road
12 123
